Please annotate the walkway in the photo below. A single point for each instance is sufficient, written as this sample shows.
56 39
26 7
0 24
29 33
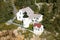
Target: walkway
15 10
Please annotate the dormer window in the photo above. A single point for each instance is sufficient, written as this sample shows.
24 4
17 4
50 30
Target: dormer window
36 21
37 18
20 13
19 17
33 20
34 17
38 29
41 28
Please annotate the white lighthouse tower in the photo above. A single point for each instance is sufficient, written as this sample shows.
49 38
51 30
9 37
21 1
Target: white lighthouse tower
26 20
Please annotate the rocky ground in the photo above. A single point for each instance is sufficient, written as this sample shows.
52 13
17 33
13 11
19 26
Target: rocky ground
22 34
9 35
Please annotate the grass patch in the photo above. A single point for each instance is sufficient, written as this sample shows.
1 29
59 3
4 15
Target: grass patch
30 27
3 26
18 22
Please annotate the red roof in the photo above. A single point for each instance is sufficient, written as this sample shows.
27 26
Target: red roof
37 24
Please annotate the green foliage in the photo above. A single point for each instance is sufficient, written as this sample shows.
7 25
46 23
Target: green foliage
1 0
7 27
50 25
5 11
48 1
18 22
25 3
55 8
30 27
34 8
44 9
56 23
38 1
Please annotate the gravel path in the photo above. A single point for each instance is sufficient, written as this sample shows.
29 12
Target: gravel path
38 4
14 11
14 7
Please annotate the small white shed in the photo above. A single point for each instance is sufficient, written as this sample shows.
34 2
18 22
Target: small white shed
38 29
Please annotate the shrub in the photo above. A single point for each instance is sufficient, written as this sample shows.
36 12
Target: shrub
25 3
30 27
5 11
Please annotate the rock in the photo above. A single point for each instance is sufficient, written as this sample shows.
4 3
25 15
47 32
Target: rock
8 37
15 32
44 39
57 34
35 38
19 28
54 17
9 22
3 38
1 34
20 37
10 33
4 32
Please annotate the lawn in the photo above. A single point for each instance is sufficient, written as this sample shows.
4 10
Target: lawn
30 27
3 26
17 21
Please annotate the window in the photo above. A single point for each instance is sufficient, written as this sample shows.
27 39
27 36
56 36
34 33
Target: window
37 18
19 17
33 20
38 29
34 17
41 28
20 13
36 21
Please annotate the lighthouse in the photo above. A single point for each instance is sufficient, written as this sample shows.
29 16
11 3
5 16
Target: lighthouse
26 20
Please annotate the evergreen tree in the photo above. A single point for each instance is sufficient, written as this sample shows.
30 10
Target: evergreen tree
5 11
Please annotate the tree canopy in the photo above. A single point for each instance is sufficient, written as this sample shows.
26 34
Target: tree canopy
47 17
5 11
25 3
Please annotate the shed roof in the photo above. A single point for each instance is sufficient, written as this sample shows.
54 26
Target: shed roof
37 25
